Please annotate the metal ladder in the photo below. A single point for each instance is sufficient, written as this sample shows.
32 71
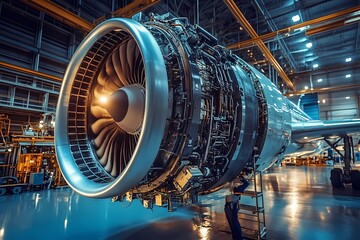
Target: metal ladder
252 214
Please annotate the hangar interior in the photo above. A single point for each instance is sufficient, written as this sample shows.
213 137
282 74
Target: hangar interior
309 49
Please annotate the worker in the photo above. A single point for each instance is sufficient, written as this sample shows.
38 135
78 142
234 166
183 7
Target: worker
232 202
50 179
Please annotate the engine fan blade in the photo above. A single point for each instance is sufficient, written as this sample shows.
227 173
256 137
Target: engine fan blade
105 159
109 154
124 64
116 158
123 161
112 80
118 67
101 139
97 126
137 68
131 57
99 112
101 79
142 75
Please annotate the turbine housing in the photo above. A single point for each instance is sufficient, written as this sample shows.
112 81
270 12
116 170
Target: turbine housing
156 107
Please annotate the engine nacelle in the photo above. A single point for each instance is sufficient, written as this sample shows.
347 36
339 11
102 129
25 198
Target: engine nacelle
158 109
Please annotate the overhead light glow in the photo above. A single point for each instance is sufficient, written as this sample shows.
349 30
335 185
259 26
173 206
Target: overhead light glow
306 87
347 97
309 45
352 20
320 80
348 60
315 65
323 101
348 75
295 18
291 95
103 99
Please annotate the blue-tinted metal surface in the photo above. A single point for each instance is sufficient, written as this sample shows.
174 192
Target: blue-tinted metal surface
278 126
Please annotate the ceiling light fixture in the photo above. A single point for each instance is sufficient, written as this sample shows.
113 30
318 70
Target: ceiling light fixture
315 65
306 87
323 101
347 97
348 75
320 80
348 60
295 18
309 45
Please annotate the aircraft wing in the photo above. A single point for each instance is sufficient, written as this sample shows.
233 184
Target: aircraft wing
317 129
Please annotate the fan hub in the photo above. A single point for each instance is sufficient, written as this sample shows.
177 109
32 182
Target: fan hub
126 106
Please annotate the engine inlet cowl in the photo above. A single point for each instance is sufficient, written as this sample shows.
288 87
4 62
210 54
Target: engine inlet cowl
99 156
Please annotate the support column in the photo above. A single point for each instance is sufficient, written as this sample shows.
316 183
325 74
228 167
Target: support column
38 41
28 100
45 102
12 95
347 158
71 46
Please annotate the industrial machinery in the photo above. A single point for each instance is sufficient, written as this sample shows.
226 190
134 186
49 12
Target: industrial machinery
11 185
153 108
29 155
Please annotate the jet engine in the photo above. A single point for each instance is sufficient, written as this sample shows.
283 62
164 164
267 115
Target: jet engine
158 110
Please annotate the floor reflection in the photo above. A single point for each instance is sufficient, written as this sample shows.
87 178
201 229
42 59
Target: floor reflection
299 203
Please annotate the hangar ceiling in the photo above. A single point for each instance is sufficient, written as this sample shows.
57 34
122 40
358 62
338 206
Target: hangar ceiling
316 44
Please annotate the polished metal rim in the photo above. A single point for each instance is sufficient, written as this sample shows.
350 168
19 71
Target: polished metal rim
149 134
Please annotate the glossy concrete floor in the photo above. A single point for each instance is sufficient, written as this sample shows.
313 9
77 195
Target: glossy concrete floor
299 204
